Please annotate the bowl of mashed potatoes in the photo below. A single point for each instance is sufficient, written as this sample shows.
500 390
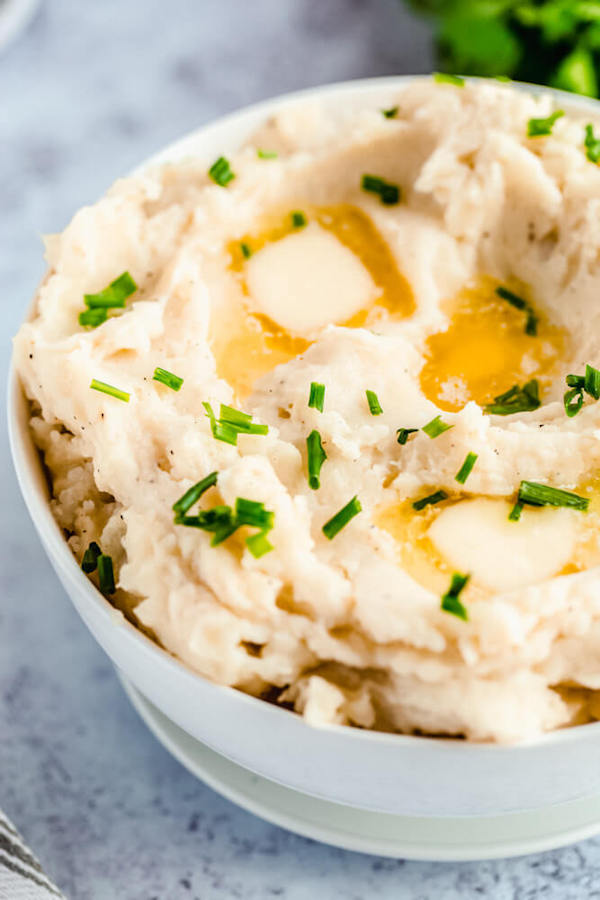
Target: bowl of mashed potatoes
305 413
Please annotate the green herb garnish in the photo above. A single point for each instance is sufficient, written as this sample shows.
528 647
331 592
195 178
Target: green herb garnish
430 500
447 78
436 427
578 384
193 494
171 381
316 457
341 518
515 513
531 322
251 512
516 400
246 251
258 544
106 576
110 390
220 172
466 468
543 127
93 317
90 558
374 405
114 295
535 494
266 154
316 399
451 602
222 521
232 422
298 219
389 194
390 113
591 144
403 433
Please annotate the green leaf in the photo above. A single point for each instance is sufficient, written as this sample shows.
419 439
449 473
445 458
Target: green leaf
477 44
577 73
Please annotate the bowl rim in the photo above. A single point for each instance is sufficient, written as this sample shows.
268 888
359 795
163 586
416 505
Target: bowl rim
26 456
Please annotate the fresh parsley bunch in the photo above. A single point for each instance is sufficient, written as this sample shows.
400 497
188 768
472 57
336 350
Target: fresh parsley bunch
554 42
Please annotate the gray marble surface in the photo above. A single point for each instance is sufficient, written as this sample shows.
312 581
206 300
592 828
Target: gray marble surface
89 90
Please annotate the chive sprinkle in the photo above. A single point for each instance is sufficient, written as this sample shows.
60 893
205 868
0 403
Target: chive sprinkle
110 390
172 381
90 558
573 401
298 219
430 500
591 384
341 518
447 78
193 494
466 468
515 513
258 544
516 400
253 513
114 295
403 433
543 127
232 422
536 494
389 194
106 576
246 251
436 427
578 384
390 113
220 172
93 317
316 456
531 321
266 154
374 405
316 398
591 144
451 600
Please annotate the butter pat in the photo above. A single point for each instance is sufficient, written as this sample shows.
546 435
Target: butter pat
308 280
476 537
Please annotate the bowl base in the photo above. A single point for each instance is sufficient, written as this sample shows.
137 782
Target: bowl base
400 837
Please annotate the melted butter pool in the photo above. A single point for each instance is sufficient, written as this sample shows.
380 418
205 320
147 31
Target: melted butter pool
485 350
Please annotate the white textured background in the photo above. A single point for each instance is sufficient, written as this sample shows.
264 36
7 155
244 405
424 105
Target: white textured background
89 90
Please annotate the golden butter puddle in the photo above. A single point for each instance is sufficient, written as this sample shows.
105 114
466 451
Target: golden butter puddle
248 345
485 349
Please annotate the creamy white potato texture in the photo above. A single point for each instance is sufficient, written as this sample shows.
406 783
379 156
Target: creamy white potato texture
300 270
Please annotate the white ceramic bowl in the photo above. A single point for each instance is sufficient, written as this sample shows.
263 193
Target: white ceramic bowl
384 772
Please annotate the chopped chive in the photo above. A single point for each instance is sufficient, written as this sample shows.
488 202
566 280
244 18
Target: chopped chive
573 401
466 468
258 544
266 154
451 602
246 251
403 433
106 576
110 390
390 113
536 494
430 500
516 400
543 127
591 144
93 317
591 384
90 558
114 295
172 381
253 513
232 422
298 219
515 513
341 518
531 321
374 405
316 457
220 172
389 194
447 78
220 432
316 398
193 494
436 427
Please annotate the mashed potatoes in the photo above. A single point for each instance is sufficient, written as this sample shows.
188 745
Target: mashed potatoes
392 301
